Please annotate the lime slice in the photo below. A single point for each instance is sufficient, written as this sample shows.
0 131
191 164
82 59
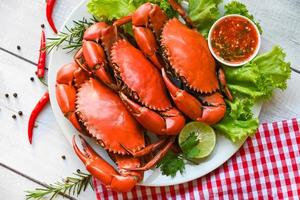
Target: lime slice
200 132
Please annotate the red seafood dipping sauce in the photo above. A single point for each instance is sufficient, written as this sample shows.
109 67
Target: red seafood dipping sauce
234 39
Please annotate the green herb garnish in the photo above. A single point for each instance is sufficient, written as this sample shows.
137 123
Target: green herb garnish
72 38
171 164
69 186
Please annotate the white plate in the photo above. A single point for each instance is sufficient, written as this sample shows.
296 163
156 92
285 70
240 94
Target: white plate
224 147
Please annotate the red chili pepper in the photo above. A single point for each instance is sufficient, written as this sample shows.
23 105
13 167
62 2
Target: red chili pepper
34 114
49 10
42 58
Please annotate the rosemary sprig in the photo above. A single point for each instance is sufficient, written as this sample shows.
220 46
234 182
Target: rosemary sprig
72 38
68 186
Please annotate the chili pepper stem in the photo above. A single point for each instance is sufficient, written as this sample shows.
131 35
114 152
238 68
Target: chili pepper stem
43 81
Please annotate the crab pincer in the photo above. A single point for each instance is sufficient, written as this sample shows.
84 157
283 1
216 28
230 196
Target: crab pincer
102 170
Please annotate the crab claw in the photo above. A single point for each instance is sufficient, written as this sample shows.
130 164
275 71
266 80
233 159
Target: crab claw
94 32
169 122
146 16
102 170
95 61
185 102
66 92
215 111
210 114
66 96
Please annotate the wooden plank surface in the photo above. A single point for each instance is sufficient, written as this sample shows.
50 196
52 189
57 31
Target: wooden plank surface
8 178
280 22
42 160
20 22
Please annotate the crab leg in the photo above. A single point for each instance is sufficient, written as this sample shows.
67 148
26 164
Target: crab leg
148 149
168 123
123 20
127 161
156 158
221 76
178 8
102 170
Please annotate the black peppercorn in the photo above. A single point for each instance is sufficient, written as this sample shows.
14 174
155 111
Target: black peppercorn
15 95
14 116
19 47
6 95
63 157
32 79
20 113
43 25
78 170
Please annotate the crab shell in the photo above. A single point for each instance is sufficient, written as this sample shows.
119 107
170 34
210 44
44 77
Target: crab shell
106 118
189 56
140 76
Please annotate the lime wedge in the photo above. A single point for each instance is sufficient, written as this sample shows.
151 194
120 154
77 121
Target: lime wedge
203 140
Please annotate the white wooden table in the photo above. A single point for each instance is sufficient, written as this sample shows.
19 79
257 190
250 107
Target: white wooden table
22 166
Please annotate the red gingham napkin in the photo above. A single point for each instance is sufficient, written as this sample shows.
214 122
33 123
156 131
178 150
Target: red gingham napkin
266 167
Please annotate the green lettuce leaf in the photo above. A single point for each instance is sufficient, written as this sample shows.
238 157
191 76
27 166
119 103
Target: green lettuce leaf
204 13
261 76
114 9
238 122
258 79
236 7
165 6
274 68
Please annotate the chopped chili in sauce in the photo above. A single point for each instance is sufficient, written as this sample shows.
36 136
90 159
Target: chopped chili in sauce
234 39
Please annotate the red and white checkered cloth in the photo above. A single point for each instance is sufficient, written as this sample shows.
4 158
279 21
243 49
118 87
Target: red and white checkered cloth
266 167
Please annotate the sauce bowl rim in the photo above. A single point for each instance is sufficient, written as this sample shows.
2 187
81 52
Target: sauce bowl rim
223 61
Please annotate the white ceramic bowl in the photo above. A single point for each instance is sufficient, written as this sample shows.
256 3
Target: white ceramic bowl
220 59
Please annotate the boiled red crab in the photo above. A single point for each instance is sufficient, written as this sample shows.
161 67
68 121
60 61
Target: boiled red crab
89 97
195 67
138 82
98 111
181 53
143 90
